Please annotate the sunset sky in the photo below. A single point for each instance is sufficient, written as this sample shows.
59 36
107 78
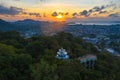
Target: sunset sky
60 10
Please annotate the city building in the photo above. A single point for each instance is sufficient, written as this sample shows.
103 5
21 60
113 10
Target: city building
88 61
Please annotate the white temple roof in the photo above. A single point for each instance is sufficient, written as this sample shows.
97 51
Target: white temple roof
62 54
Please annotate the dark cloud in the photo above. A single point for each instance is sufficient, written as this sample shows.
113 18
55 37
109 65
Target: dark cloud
96 9
34 14
24 13
14 11
74 14
10 11
54 14
66 13
115 15
102 12
84 13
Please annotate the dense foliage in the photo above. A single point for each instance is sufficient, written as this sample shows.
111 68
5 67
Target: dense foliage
34 59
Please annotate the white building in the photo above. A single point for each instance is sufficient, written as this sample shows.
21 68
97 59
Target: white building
88 60
113 52
62 54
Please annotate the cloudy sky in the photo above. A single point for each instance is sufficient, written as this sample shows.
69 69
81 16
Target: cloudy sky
55 10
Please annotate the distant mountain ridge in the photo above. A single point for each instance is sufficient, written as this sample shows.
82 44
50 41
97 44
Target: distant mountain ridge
19 25
27 27
5 26
27 21
31 27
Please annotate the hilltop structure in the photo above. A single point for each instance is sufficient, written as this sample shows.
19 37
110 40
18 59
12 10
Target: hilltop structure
88 61
62 54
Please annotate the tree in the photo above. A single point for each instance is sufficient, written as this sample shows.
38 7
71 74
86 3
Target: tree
7 55
44 71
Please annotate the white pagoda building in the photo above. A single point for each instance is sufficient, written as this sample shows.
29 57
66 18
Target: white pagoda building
62 54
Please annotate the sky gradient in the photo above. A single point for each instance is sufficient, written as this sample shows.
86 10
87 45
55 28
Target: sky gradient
60 10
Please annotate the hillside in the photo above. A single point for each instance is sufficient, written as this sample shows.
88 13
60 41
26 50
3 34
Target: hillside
34 59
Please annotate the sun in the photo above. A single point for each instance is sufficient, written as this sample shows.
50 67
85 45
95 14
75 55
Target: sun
59 16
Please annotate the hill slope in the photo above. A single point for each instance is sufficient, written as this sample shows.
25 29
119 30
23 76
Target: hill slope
34 59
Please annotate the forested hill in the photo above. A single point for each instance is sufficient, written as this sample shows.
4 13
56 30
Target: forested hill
6 26
20 26
34 59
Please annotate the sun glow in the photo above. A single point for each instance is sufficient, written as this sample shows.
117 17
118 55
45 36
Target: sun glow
59 16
